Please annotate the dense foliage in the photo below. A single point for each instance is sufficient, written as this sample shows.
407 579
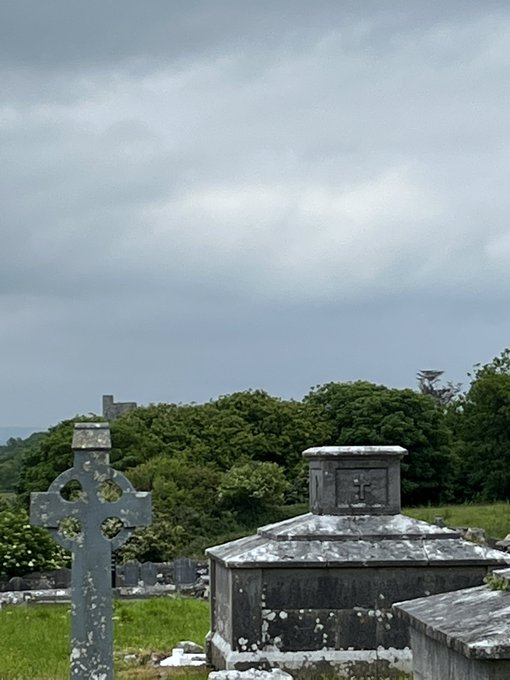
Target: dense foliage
362 413
23 548
481 424
10 459
217 470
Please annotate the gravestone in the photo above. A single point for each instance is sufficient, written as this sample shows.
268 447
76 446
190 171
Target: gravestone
61 578
131 574
313 594
185 572
16 583
464 635
148 574
90 543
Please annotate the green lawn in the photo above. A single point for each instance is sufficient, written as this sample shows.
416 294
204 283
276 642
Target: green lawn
35 639
495 519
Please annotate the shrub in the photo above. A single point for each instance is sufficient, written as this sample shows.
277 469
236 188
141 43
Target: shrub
24 549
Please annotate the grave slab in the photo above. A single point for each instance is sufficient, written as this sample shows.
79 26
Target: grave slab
462 635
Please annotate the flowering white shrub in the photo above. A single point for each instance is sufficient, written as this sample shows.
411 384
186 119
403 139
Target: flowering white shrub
24 548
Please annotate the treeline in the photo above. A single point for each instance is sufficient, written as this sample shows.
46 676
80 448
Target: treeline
11 455
217 470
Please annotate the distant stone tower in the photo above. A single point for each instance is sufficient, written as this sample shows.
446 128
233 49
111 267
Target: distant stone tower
113 410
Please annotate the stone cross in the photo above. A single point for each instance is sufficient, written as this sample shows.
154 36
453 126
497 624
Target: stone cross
91 592
361 483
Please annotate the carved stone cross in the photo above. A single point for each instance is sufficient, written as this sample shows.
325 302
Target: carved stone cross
91 592
361 483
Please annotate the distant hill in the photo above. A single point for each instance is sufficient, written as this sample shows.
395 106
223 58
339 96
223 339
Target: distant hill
17 432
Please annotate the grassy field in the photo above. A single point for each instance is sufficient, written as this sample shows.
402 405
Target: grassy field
35 639
495 519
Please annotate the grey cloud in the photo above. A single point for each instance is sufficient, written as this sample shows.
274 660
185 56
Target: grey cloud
201 197
63 34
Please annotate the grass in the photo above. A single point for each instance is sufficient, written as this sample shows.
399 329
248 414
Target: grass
495 519
35 639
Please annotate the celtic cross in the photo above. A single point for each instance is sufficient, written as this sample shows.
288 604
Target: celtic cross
91 592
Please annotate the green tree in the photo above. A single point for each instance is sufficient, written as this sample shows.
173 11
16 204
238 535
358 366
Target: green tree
482 428
361 413
50 455
252 488
186 514
11 455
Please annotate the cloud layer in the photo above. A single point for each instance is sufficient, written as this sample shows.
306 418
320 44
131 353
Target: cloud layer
225 195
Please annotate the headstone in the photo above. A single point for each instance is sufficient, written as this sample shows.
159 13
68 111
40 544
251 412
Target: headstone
61 578
16 583
91 592
131 574
462 635
185 572
148 574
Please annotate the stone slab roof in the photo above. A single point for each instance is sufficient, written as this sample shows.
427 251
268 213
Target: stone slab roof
348 541
473 621
349 527
349 451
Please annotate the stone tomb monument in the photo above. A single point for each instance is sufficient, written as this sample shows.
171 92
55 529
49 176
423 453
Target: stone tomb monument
464 635
313 594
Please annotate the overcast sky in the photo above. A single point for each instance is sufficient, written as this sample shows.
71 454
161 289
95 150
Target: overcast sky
204 196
